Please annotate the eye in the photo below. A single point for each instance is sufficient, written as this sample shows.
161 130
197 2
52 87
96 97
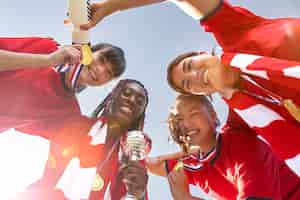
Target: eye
194 114
189 65
140 101
186 85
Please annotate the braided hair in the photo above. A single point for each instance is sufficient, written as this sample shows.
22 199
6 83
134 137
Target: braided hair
104 106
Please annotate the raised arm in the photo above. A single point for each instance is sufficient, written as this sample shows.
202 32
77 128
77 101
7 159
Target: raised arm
195 8
15 60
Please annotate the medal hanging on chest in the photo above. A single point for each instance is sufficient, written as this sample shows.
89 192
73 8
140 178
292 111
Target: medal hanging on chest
273 98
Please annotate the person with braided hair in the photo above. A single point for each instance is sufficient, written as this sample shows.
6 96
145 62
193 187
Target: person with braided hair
96 144
229 164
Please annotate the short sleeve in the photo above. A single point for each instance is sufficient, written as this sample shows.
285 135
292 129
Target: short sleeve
35 45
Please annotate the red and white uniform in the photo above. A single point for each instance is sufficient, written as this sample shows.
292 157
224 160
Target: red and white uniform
76 154
264 77
239 167
34 100
238 30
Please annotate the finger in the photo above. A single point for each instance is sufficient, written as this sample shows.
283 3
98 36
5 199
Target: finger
73 58
171 179
77 47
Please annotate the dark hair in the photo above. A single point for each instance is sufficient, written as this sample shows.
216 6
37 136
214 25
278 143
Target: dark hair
171 66
106 103
173 121
112 54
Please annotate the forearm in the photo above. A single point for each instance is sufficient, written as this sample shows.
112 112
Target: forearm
197 9
118 5
12 60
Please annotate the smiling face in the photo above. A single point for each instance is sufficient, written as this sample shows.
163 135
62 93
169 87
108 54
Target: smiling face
128 104
192 74
97 73
197 123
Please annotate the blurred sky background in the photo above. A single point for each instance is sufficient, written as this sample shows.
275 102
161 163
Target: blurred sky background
151 37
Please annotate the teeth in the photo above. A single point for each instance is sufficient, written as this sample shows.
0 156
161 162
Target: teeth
126 109
194 149
205 77
192 132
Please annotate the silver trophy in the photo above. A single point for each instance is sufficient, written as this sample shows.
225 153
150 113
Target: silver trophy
136 145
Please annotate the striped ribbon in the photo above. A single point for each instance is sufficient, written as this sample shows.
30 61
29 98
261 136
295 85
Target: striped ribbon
62 68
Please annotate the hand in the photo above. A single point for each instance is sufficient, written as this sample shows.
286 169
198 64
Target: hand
179 185
98 11
66 55
135 178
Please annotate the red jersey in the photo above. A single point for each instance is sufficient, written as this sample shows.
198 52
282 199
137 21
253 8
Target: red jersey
241 166
264 84
239 30
34 100
85 139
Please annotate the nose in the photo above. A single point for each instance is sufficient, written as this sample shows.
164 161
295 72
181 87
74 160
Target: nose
131 98
186 123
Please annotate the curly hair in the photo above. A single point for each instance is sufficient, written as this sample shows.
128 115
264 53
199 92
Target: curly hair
176 128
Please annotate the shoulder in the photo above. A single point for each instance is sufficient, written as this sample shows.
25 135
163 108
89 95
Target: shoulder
241 145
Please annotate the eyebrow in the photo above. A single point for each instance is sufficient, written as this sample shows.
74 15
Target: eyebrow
184 64
190 63
183 84
193 108
140 94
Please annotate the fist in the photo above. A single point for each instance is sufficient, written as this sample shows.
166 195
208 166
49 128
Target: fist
66 55
135 177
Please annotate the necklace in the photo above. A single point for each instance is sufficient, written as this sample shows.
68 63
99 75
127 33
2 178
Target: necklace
273 98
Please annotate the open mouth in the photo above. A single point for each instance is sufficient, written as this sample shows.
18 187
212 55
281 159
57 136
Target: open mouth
202 76
126 110
193 132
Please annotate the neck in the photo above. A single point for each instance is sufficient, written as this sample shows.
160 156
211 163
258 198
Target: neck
208 145
68 78
232 78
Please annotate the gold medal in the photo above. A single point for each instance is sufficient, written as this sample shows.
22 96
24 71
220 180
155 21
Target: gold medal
293 109
178 166
98 183
87 54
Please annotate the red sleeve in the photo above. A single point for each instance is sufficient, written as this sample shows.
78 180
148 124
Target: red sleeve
229 22
256 168
278 71
45 194
35 45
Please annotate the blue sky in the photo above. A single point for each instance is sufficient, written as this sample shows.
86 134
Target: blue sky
151 37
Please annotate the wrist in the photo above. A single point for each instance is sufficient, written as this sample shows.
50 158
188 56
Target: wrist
48 60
